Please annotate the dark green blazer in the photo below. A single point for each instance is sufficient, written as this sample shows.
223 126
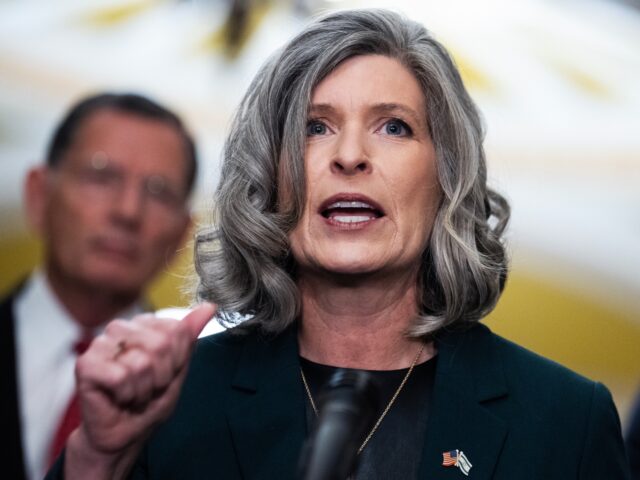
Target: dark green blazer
515 415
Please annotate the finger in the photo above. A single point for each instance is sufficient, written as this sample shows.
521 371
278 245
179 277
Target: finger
160 407
178 337
141 374
111 378
199 317
155 338
187 330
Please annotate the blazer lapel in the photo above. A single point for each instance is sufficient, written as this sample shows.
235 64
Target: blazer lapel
267 415
469 378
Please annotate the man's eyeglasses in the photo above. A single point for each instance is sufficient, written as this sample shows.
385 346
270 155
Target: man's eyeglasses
101 179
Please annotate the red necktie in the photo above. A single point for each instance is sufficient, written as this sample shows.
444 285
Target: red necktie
71 418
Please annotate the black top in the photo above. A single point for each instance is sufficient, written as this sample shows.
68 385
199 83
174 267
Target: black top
395 449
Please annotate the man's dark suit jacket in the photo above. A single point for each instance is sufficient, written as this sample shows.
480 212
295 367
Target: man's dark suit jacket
11 452
11 455
515 415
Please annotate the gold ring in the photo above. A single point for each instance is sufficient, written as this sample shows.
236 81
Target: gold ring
121 346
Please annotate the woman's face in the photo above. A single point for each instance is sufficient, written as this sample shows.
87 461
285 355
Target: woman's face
370 165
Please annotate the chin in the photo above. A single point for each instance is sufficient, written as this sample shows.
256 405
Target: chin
342 259
351 267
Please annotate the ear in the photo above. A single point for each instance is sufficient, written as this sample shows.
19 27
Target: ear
35 197
186 228
182 233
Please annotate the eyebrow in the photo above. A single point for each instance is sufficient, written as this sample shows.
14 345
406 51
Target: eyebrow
322 109
386 108
391 108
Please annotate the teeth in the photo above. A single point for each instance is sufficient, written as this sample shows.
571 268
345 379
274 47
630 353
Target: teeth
350 205
351 218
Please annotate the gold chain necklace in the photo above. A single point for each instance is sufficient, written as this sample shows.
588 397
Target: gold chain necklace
385 411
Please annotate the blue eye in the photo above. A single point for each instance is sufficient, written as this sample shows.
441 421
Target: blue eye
315 127
397 128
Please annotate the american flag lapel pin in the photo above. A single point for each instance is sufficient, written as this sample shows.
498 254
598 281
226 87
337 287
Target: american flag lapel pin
456 458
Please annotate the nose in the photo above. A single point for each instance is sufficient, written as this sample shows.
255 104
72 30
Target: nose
128 205
351 155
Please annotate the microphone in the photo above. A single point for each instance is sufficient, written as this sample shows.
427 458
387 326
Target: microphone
346 413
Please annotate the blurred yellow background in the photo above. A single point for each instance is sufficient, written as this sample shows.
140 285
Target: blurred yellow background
557 83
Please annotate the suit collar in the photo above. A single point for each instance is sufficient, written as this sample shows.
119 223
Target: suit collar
267 412
469 378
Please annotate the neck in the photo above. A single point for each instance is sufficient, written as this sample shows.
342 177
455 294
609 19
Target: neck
360 323
89 306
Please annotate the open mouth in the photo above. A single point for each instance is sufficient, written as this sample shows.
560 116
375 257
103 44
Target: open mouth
350 211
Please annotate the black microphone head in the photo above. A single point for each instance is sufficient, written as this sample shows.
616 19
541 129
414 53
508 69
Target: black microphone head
347 406
356 383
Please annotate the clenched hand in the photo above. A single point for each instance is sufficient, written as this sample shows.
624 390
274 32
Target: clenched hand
128 381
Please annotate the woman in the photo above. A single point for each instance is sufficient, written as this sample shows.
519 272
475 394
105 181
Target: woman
354 223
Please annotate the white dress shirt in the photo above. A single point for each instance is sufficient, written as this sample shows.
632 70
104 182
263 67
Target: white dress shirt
45 337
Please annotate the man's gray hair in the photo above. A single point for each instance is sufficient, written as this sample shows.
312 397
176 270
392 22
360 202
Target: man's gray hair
244 261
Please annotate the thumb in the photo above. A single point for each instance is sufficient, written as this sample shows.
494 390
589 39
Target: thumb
199 317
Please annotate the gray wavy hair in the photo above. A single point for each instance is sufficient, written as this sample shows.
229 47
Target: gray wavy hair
244 261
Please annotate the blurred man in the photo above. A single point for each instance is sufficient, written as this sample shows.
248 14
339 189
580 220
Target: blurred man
111 206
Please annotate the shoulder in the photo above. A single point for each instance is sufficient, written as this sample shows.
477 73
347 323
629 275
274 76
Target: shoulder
218 354
548 407
547 386
227 358
536 387
528 370
485 352
552 390
544 392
